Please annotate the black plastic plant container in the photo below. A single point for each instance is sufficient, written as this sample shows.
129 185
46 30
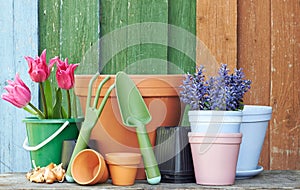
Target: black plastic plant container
173 154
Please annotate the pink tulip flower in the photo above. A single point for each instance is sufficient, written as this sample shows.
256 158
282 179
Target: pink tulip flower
65 73
39 71
18 93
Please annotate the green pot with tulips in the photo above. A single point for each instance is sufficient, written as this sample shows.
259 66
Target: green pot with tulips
53 123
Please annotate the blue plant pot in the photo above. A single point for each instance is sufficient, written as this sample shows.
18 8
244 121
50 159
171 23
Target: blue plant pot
253 127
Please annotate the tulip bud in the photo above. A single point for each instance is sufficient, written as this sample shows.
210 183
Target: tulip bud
65 74
39 71
18 93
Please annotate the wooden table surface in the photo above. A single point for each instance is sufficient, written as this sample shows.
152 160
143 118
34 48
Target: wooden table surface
276 179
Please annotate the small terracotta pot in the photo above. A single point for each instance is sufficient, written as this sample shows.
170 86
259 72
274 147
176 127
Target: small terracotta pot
123 167
89 168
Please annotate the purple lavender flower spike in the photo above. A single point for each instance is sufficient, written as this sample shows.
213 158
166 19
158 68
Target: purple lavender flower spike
222 92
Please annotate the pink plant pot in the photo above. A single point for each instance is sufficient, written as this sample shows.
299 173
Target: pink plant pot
215 157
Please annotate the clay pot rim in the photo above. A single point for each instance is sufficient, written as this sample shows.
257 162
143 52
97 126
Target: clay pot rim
218 138
101 167
220 135
215 112
256 109
149 85
123 158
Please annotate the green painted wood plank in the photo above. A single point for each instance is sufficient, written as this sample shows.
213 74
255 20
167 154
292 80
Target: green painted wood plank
133 36
120 20
182 14
150 58
154 56
105 29
49 32
113 52
80 33
49 27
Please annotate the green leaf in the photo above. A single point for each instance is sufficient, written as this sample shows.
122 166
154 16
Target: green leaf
48 97
185 119
74 104
57 106
64 113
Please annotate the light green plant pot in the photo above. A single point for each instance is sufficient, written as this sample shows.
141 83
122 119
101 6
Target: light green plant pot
45 138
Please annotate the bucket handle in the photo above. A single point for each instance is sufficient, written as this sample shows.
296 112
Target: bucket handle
46 141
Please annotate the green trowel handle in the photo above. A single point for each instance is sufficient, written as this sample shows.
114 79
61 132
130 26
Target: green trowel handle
150 163
81 144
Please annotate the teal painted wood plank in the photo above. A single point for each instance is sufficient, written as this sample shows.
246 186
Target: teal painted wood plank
80 33
182 14
18 38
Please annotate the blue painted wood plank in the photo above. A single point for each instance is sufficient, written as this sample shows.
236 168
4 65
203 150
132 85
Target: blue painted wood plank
6 72
18 37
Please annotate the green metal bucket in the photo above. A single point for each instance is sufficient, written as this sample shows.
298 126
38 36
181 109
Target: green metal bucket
46 136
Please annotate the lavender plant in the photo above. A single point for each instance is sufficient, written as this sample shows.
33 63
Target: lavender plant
222 92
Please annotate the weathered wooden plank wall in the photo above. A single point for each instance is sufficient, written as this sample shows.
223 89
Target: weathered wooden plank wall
260 36
269 50
70 28
181 15
140 58
147 56
217 29
263 38
254 55
285 81
18 37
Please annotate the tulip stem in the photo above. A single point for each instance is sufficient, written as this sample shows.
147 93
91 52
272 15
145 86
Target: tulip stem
75 105
30 110
43 100
37 111
69 103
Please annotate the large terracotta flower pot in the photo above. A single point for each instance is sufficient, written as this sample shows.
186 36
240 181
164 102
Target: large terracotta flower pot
161 95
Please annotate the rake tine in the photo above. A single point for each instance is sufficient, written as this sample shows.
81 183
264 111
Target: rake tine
105 99
88 101
99 90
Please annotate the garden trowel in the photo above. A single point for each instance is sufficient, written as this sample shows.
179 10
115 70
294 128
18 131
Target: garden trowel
134 113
